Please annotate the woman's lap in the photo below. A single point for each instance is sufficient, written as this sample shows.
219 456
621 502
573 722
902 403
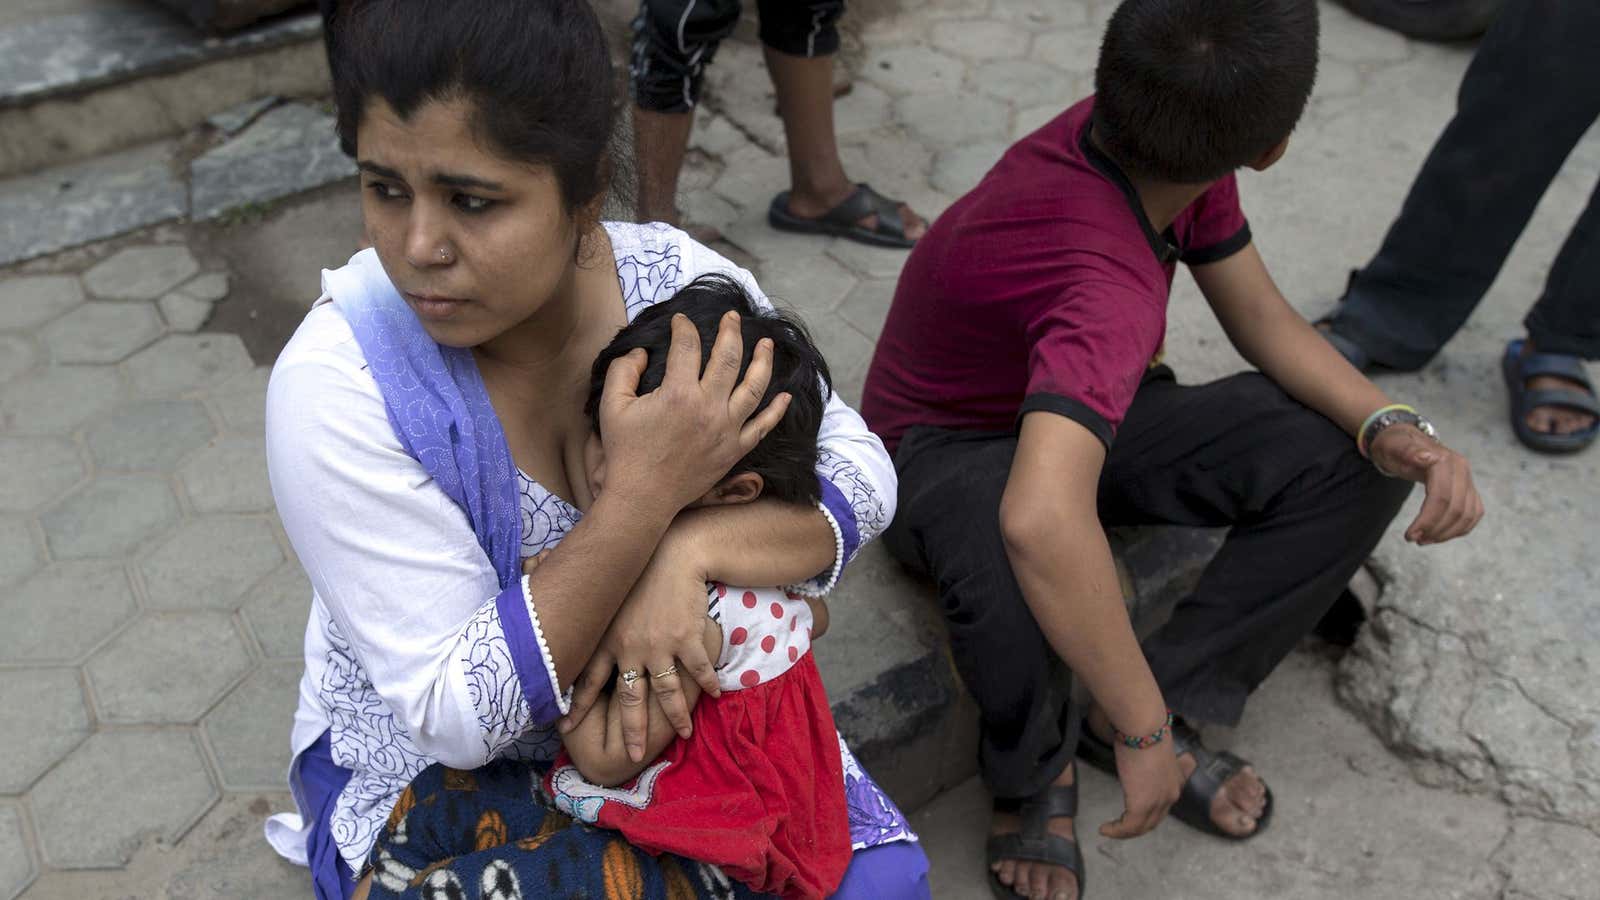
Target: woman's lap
466 831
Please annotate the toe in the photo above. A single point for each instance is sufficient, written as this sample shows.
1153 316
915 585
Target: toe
1007 873
1063 886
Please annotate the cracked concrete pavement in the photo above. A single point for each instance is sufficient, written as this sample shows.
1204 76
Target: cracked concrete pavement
1454 753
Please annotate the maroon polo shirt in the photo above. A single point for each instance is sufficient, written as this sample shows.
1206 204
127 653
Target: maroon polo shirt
1044 288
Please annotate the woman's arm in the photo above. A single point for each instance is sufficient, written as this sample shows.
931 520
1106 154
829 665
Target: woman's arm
464 664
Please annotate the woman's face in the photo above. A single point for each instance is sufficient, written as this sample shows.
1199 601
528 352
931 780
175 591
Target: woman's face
475 243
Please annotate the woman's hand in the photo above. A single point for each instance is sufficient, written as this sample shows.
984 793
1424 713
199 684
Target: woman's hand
658 633
1452 506
672 445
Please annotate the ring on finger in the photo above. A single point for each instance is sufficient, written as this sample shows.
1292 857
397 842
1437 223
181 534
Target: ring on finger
629 676
669 670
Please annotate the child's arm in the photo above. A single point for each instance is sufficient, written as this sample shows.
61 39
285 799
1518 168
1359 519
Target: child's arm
596 745
1276 339
1063 564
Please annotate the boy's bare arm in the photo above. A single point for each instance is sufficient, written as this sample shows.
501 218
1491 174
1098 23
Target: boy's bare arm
1062 561
596 744
1277 340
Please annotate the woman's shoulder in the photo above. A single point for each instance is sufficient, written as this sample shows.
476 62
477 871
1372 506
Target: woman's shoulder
322 368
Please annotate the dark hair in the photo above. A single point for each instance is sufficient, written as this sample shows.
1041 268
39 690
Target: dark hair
1190 90
537 72
786 459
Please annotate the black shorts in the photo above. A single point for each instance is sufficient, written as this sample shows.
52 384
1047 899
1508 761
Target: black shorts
674 40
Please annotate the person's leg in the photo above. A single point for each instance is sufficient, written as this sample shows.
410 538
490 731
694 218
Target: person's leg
897 871
800 40
1526 99
673 42
1305 511
1566 320
948 526
482 834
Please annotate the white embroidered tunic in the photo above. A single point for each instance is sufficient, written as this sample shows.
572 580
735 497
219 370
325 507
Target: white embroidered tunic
408 659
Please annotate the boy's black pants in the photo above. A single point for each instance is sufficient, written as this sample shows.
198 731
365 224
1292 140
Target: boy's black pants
1529 95
1304 507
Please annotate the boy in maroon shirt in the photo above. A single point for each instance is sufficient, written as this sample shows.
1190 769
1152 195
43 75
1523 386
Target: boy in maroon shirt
1017 381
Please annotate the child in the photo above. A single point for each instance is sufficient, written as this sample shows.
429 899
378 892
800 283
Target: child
1017 381
758 789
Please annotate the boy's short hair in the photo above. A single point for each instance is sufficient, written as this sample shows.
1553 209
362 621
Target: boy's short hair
1187 91
786 459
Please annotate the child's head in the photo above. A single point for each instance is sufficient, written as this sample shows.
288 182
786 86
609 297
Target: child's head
1189 90
783 465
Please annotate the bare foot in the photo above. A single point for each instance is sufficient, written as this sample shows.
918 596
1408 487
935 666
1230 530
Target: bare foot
1032 879
814 206
1238 804
1555 419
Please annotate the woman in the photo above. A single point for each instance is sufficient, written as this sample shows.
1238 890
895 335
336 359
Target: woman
424 434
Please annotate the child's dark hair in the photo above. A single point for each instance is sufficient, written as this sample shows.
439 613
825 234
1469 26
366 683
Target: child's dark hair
786 459
1189 90
537 73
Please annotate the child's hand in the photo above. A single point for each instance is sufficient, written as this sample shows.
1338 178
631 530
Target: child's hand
532 562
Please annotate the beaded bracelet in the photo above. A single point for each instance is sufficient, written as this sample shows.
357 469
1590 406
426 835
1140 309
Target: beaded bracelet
1149 740
1361 434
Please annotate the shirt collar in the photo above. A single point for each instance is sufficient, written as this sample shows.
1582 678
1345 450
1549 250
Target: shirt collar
1162 244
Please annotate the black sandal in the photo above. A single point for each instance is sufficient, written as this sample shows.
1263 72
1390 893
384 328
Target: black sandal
1035 842
844 220
1212 770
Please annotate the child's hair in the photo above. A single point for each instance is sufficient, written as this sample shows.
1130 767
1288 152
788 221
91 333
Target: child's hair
537 74
786 459
1189 90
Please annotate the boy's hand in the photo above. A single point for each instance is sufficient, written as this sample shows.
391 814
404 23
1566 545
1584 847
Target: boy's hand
1452 506
1151 781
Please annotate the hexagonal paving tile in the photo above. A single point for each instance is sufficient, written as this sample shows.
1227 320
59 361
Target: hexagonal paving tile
867 261
207 288
182 362
62 612
956 171
1024 83
161 787
17 868
29 301
56 400
809 284
101 332
42 717
141 273
152 435
913 70
209 563
229 476
16 356
34 471
110 516
949 119
1073 50
277 610
241 401
979 38
868 305
20 553
247 728
167 668
1032 14
863 110
183 312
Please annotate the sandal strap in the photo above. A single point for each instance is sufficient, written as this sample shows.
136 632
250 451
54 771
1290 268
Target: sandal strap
1568 398
1050 803
1559 365
1047 848
863 202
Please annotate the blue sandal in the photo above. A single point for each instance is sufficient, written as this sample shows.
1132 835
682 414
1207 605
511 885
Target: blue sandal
1518 368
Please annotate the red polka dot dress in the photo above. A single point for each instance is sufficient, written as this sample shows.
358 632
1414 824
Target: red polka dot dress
759 787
